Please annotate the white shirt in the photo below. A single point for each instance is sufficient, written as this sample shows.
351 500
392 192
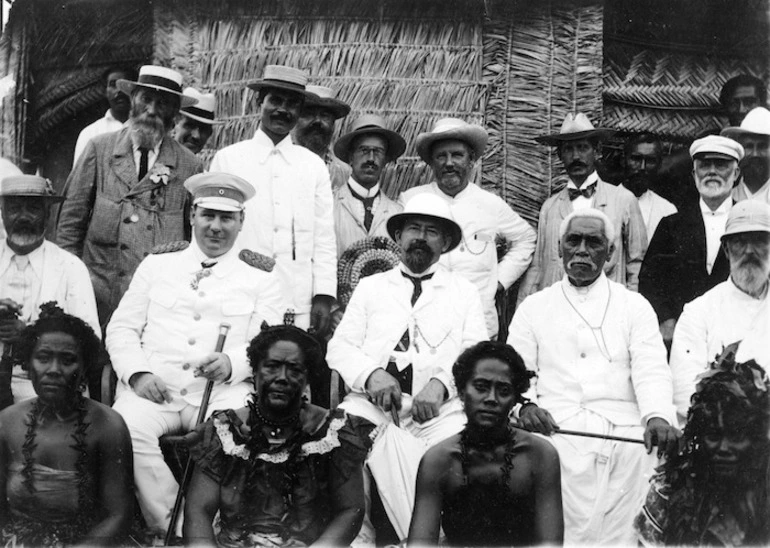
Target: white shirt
107 124
152 155
654 208
581 202
483 216
357 204
742 192
20 277
715 222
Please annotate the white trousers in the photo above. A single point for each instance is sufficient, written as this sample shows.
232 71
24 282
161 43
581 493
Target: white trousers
156 488
603 482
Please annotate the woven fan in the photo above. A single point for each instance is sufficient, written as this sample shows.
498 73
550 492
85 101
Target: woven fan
364 258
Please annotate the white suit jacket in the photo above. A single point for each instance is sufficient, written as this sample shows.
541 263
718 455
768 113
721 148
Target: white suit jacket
290 217
448 315
163 323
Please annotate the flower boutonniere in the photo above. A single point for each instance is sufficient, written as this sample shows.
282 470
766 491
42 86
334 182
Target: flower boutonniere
160 174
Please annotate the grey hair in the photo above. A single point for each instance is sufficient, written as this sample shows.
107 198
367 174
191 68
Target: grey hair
589 213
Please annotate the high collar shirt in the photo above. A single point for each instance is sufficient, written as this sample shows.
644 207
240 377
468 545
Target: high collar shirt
595 348
721 316
742 192
106 124
290 218
483 217
349 224
714 222
581 202
152 156
654 208
357 189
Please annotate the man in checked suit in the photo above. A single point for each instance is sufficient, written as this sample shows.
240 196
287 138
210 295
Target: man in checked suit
125 193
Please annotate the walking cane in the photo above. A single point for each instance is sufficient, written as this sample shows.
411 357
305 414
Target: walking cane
588 435
188 469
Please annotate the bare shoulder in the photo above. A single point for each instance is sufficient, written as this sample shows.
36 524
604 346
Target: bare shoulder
14 417
441 455
107 423
538 447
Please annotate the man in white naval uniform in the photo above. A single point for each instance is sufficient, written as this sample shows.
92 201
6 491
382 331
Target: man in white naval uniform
290 218
451 149
162 336
736 310
601 368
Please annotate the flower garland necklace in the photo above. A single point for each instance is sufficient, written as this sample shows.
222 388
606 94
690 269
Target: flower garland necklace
79 435
505 468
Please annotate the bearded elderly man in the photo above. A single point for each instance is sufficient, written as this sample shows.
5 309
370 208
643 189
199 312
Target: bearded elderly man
291 217
601 368
451 149
315 127
737 309
125 193
577 144
754 136
685 258
162 335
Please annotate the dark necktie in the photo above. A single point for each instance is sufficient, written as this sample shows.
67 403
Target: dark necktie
208 263
144 159
587 191
368 208
417 282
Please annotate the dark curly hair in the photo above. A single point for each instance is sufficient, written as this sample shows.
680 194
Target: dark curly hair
463 368
53 319
311 349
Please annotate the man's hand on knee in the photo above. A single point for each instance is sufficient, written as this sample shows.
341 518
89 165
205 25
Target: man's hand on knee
383 390
427 403
214 367
537 419
150 387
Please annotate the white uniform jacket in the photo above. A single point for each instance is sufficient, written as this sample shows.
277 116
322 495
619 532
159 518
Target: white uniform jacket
574 374
721 316
163 322
348 223
63 278
446 319
482 216
290 218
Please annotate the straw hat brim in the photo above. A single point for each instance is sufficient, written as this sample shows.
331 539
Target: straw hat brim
339 108
276 84
734 132
49 197
476 137
127 87
396 143
455 232
201 119
556 138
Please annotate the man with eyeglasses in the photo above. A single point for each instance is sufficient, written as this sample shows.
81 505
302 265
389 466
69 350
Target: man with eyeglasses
642 159
361 209
290 217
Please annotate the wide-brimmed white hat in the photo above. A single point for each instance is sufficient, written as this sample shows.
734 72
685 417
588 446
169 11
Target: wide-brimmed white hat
321 96
574 127
452 128
748 216
204 110
370 124
160 79
219 191
716 146
756 122
429 206
281 77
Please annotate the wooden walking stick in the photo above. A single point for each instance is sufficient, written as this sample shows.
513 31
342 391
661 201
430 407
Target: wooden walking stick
188 469
588 435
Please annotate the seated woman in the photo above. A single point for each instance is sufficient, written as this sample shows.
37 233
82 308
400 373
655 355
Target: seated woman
490 485
65 460
281 472
714 491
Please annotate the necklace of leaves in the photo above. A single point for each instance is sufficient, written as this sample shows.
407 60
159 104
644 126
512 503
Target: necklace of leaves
505 468
79 435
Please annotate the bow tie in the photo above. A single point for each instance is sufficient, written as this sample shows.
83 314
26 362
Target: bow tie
586 192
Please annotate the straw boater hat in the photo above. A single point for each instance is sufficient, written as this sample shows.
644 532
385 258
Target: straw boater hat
452 128
282 77
160 79
756 122
748 216
716 146
219 191
30 186
204 110
429 206
576 126
321 96
370 124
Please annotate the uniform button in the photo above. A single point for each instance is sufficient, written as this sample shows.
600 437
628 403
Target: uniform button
275 230
582 354
185 366
275 255
183 391
201 294
191 341
149 227
196 317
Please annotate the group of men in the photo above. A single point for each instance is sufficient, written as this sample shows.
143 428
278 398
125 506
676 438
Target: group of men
270 218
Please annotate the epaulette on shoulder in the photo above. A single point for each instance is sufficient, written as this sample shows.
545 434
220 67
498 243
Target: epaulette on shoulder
257 260
170 247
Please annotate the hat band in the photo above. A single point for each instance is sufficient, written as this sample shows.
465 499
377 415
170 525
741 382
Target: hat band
267 82
195 111
220 192
159 81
